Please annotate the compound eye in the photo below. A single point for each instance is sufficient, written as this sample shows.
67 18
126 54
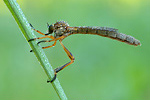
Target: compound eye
51 29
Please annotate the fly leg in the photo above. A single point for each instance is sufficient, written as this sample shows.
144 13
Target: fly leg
54 39
41 38
69 54
50 45
46 36
37 30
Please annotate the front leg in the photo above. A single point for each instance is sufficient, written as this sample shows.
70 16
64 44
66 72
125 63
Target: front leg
36 30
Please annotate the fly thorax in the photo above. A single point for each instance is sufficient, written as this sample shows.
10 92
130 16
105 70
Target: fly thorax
60 28
60 31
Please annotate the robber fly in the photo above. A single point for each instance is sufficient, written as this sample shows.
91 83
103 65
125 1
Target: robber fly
61 30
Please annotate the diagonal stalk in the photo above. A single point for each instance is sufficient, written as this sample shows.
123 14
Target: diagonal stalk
28 34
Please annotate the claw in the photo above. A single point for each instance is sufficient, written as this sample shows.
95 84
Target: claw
31 50
47 33
52 79
47 25
31 25
30 40
48 81
41 41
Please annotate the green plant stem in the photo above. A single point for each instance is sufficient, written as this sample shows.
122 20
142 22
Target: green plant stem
28 34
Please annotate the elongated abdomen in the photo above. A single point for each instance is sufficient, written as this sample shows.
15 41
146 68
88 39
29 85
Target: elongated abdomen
106 32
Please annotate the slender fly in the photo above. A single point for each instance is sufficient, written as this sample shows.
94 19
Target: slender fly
61 30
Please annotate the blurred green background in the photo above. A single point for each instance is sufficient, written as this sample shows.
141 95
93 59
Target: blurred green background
104 69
